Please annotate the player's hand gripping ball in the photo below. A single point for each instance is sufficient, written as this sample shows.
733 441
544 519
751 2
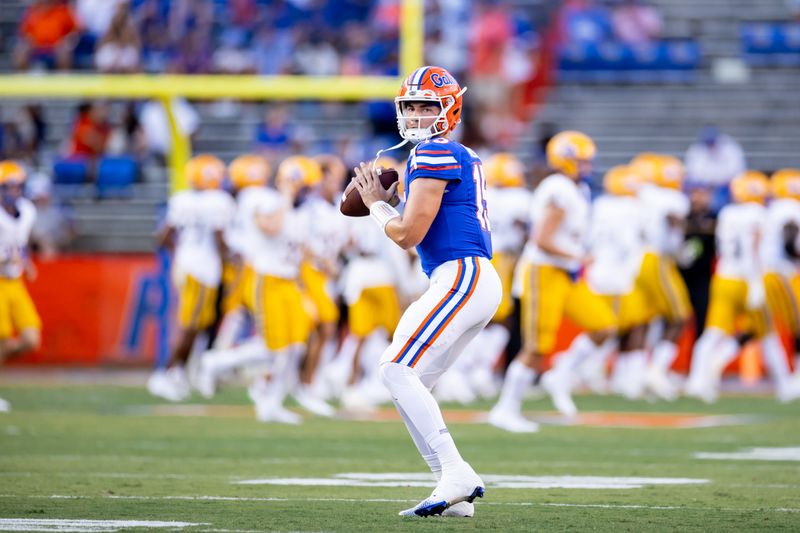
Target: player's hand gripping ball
352 205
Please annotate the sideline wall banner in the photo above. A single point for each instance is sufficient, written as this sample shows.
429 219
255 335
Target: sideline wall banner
101 310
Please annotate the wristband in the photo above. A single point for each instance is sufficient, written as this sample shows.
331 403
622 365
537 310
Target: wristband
382 213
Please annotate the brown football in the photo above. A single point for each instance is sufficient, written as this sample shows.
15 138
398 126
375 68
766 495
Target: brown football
352 205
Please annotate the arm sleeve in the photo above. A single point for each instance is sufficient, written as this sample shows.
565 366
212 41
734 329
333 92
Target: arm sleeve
436 159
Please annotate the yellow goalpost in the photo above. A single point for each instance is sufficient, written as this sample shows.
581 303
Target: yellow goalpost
167 87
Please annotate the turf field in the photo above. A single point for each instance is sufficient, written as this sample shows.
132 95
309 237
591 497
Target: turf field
76 457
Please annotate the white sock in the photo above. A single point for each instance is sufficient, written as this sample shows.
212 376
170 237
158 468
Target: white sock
580 349
518 378
634 372
727 350
664 355
421 411
703 352
250 352
599 357
229 329
775 359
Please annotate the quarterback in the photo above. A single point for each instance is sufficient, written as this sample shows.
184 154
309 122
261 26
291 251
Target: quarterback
446 218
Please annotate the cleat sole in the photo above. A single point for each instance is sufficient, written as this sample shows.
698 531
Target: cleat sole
431 509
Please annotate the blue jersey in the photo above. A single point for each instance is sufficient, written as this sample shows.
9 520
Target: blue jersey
461 227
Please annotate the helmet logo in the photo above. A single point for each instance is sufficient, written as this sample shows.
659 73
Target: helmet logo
440 80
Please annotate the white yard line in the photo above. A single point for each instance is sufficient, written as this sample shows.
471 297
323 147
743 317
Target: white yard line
403 501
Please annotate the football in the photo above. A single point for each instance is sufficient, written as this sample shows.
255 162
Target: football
352 205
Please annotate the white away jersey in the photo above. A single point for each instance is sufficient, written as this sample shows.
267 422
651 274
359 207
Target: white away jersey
659 203
327 228
14 235
196 215
560 191
508 217
780 212
277 255
616 244
738 230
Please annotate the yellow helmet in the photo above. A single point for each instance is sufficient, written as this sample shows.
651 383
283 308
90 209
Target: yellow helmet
249 170
786 183
301 170
205 171
750 186
565 149
622 180
504 170
659 169
670 172
12 172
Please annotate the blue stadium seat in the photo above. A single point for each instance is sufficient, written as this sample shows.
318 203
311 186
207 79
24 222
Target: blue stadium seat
661 61
115 175
771 43
73 171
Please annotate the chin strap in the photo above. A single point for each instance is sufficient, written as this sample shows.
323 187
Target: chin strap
396 146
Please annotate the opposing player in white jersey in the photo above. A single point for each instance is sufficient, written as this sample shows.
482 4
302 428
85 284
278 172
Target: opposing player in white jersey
245 171
737 291
248 174
666 208
446 218
553 259
20 325
276 235
194 228
781 252
615 238
319 272
473 374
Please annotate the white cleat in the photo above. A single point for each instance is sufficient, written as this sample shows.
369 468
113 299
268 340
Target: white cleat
790 390
356 400
559 390
701 390
308 401
5 407
483 383
511 421
170 384
658 383
277 413
460 485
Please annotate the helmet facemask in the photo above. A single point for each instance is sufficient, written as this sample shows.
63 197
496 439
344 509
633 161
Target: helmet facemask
440 124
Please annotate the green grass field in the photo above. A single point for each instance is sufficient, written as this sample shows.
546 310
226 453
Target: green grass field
94 452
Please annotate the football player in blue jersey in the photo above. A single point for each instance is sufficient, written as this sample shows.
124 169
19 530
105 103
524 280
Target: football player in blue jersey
446 218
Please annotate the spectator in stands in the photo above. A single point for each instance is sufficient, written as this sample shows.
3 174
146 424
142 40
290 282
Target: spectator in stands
193 54
9 140
713 161
273 49
94 17
156 129
90 132
584 22
315 57
233 56
127 138
273 135
635 22
120 51
31 131
151 20
54 228
48 32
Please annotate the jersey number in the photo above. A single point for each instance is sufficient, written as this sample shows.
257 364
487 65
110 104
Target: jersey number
481 210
